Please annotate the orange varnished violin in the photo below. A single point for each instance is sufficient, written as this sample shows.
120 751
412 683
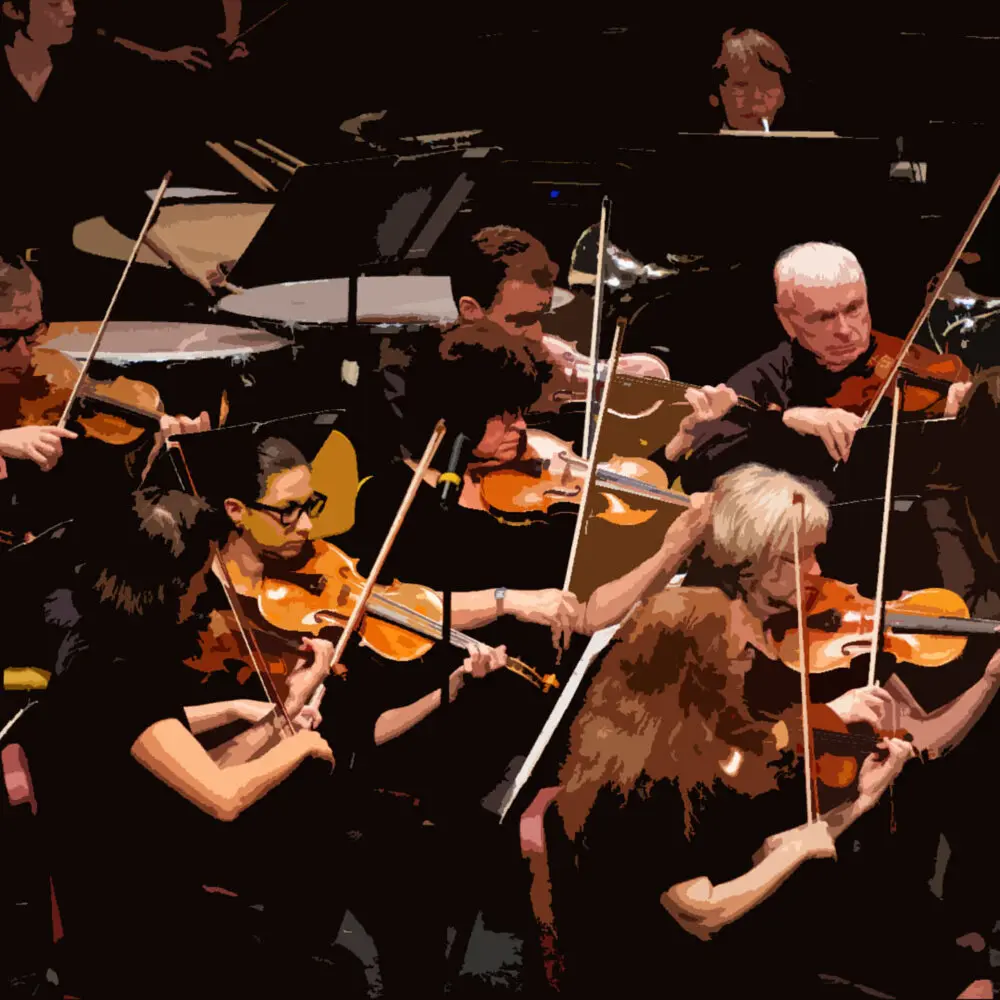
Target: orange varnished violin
401 622
927 628
126 407
926 376
839 748
549 478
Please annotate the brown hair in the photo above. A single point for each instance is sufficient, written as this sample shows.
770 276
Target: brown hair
663 696
15 279
748 45
498 253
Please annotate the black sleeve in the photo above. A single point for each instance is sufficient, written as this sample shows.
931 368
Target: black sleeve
146 693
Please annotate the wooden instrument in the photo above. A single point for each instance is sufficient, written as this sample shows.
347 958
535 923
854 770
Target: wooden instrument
928 628
401 622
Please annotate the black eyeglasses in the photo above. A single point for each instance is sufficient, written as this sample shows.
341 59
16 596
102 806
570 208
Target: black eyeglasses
9 338
290 513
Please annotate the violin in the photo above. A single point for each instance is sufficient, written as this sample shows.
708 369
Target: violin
839 748
927 628
222 651
126 408
549 478
926 375
401 622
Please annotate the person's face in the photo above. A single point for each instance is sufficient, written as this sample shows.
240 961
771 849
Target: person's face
282 530
832 323
503 438
20 326
50 22
751 93
775 588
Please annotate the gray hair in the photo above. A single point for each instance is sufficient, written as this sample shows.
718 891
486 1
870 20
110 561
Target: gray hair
754 514
815 265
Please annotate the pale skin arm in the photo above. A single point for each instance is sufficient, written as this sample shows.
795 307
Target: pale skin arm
704 909
708 403
942 730
611 602
396 721
557 609
172 754
203 718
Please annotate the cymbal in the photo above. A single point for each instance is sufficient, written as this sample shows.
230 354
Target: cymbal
383 300
126 343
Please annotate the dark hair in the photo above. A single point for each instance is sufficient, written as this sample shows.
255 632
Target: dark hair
150 552
247 481
474 372
480 264
9 27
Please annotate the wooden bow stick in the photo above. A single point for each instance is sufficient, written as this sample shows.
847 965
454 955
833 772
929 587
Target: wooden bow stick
359 608
96 345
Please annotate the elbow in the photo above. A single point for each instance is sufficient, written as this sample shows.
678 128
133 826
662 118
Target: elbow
701 918
226 810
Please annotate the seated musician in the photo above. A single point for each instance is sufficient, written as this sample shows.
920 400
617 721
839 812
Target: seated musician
22 331
644 752
125 789
751 73
822 305
270 500
505 275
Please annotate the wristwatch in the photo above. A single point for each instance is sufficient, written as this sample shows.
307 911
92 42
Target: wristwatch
501 593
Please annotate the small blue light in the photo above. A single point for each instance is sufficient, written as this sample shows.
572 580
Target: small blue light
554 193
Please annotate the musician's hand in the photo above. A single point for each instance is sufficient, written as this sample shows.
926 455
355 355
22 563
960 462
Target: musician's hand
559 609
41 445
993 667
481 661
957 394
172 426
877 775
239 51
188 56
836 428
866 704
306 676
691 526
708 403
308 718
311 744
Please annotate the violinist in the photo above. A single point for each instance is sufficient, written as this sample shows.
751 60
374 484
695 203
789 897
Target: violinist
22 334
822 305
381 875
656 810
505 276
124 787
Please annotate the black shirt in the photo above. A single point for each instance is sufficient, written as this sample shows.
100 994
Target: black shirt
467 750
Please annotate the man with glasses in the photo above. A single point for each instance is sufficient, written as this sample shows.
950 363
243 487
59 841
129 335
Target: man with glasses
822 305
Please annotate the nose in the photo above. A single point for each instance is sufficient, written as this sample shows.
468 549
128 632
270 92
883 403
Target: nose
305 524
813 567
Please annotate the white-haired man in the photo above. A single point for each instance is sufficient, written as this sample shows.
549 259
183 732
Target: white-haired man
822 305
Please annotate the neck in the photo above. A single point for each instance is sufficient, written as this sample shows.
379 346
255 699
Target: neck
30 62
246 568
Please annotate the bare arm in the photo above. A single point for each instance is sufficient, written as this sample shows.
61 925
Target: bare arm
704 909
172 754
202 718
942 730
611 602
233 11
396 721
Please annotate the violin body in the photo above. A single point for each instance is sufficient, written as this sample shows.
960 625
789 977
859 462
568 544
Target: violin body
47 387
839 748
324 593
550 478
222 649
926 374
840 626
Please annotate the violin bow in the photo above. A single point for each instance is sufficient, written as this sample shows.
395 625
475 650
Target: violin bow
878 611
232 599
589 427
812 788
96 345
616 352
932 299
359 608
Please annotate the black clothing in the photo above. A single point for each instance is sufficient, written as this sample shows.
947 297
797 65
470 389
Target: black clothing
498 717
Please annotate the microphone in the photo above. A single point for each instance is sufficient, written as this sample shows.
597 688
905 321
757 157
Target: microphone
450 482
